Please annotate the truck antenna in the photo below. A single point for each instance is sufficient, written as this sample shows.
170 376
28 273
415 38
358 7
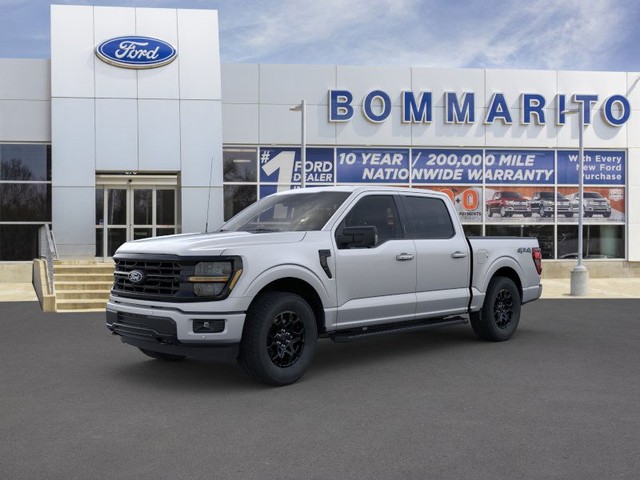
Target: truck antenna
206 222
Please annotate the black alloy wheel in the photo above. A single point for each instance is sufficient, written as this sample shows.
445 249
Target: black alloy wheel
503 309
285 340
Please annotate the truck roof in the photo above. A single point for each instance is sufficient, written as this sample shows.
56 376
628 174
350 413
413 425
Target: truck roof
367 188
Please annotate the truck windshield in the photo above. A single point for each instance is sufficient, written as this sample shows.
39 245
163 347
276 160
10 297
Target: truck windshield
286 213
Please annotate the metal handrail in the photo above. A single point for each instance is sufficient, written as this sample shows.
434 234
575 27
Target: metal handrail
48 250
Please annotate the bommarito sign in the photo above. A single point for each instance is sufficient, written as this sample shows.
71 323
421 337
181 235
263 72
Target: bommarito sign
460 108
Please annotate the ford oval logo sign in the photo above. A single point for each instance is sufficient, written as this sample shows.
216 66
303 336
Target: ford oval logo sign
136 277
136 52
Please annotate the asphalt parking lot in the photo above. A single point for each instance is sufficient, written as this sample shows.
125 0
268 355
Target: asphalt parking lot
560 400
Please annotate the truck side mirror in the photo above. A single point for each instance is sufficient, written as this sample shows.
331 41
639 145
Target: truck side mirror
357 237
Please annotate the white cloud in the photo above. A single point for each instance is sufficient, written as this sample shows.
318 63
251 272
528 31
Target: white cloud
548 34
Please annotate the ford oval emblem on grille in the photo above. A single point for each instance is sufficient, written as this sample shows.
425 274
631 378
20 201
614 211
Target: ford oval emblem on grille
136 52
136 277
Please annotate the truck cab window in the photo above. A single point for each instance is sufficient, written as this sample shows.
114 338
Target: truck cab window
375 210
428 218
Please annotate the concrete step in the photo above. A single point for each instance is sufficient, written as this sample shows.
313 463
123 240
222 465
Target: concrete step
83 277
93 285
82 294
100 268
74 304
82 262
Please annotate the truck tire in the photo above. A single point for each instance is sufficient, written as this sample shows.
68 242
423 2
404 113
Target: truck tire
162 356
498 319
279 338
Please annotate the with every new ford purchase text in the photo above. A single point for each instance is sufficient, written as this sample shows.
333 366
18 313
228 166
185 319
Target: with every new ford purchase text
345 263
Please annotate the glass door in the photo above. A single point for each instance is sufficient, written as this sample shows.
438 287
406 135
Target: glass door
133 211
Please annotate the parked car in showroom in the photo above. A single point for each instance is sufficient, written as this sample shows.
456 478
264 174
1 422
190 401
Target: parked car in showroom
507 204
544 204
594 204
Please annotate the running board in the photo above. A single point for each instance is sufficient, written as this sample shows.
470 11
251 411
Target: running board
390 329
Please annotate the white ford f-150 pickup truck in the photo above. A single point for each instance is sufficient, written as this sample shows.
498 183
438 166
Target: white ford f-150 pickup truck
339 262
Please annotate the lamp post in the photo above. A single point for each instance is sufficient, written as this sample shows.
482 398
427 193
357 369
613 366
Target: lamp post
580 274
302 107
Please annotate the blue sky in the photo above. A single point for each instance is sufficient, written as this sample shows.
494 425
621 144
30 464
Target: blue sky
532 34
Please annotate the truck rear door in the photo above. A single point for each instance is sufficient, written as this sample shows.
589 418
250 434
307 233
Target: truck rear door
442 255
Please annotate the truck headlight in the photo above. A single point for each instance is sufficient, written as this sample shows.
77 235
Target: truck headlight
211 278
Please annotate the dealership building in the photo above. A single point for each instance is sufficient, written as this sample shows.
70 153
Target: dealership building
134 129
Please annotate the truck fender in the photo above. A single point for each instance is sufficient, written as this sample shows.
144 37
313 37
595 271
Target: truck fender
479 290
289 271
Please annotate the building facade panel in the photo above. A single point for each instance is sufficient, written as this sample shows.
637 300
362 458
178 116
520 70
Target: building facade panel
72 143
74 231
241 123
110 22
156 83
25 79
512 83
159 135
442 80
288 84
242 84
25 120
116 134
72 44
362 80
199 55
202 200
200 143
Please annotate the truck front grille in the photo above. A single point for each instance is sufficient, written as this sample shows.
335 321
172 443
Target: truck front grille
160 277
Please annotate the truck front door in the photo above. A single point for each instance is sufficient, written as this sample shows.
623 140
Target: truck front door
375 284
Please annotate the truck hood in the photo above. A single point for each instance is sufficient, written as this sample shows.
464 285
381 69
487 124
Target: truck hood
196 244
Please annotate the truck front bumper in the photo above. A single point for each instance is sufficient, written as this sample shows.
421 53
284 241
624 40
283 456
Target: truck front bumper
171 330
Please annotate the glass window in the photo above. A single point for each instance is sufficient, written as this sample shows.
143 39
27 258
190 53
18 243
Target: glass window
25 202
599 241
100 207
472 230
99 242
544 234
428 218
142 206
237 198
166 207
30 163
18 242
239 164
115 238
117 206
378 211
165 231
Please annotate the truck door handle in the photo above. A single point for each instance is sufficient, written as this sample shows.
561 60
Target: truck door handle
458 254
404 256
